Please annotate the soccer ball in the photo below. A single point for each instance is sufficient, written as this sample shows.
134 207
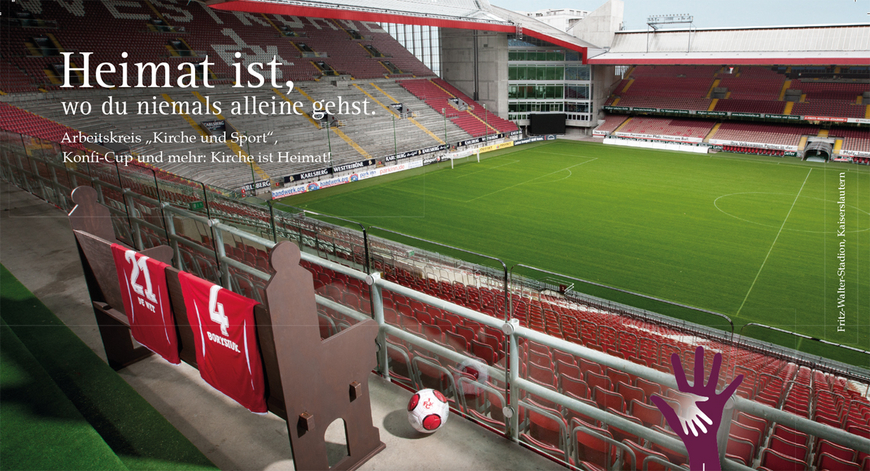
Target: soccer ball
428 410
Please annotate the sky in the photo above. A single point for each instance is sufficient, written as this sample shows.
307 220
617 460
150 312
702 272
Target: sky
721 13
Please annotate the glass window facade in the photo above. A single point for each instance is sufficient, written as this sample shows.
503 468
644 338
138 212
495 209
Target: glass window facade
539 91
577 72
422 41
545 79
539 56
536 72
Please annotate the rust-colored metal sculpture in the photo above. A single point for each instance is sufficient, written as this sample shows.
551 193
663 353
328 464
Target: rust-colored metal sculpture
328 379
92 225
310 382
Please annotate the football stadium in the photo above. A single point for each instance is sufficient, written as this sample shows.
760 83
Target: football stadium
561 227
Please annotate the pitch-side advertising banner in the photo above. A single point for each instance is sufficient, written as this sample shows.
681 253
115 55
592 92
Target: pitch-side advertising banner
490 148
313 186
758 145
661 137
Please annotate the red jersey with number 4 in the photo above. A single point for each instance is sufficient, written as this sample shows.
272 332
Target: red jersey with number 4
227 353
146 301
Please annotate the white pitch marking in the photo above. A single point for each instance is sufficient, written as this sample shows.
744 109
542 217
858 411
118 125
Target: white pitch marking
716 205
488 168
527 181
774 243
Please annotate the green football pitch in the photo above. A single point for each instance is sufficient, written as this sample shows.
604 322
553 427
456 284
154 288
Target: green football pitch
758 239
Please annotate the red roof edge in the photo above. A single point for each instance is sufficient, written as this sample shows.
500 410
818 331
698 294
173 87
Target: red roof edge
339 14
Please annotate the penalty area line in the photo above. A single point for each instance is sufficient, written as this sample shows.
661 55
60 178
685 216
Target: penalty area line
487 168
527 181
774 243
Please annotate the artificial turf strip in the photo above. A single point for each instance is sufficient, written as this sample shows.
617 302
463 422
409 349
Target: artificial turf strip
754 238
40 427
132 428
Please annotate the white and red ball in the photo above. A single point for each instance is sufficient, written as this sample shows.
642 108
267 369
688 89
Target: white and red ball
428 410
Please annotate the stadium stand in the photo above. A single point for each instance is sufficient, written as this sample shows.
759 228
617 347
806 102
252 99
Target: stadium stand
676 81
830 91
829 108
745 89
666 102
753 150
666 127
307 137
752 83
14 79
493 121
433 121
20 121
854 140
611 123
772 134
617 90
475 119
437 98
750 106
179 35
200 31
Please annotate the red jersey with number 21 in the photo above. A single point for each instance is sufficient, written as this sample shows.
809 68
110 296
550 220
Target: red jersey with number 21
227 353
146 301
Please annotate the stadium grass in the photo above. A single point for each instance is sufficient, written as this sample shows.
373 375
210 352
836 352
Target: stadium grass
134 431
754 238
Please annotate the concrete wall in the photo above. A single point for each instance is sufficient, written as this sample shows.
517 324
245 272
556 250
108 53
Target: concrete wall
603 80
601 25
457 62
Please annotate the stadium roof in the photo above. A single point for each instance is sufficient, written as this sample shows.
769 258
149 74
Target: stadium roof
462 14
787 45
538 29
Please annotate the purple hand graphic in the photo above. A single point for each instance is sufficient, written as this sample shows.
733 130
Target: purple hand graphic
700 412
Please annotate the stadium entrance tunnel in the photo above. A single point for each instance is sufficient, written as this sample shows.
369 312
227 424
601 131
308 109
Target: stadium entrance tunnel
818 151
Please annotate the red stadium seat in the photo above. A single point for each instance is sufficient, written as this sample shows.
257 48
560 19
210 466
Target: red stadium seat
563 368
594 448
835 450
618 433
750 434
648 387
832 463
569 384
649 415
752 421
630 393
598 380
740 449
790 434
647 459
774 460
605 399
542 374
798 452
547 430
